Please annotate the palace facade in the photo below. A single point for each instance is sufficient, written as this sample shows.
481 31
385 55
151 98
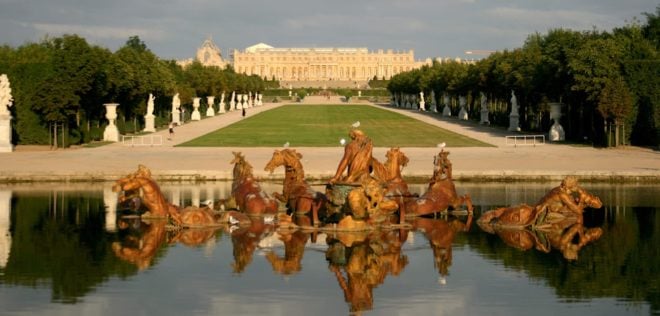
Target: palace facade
312 64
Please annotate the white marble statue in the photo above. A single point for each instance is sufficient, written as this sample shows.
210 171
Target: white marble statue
149 118
513 117
484 109
232 103
446 111
462 113
5 116
556 130
176 108
514 103
150 104
221 106
434 106
6 99
422 104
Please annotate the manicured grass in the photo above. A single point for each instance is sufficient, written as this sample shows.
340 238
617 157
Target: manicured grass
325 125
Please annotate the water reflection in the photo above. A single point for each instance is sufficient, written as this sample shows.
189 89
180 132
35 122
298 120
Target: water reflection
73 244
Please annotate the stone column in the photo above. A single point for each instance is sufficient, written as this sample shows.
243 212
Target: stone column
195 116
111 133
5 223
556 130
462 114
210 111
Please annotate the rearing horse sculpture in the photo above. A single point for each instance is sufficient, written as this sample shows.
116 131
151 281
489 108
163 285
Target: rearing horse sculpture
247 192
390 172
296 193
441 193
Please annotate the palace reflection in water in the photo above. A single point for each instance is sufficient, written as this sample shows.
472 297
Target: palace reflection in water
69 250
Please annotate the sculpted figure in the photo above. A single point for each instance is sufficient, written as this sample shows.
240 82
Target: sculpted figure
357 158
441 193
5 94
514 103
298 195
150 104
149 192
557 207
176 102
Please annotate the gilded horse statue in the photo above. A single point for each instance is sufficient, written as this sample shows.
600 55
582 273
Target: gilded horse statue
140 185
390 174
441 193
246 191
298 195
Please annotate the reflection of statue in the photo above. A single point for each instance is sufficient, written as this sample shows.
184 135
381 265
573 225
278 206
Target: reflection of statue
5 95
245 241
361 264
141 250
150 104
294 248
357 158
440 234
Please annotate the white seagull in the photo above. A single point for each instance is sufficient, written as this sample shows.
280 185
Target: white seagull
356 124
286 145
442 145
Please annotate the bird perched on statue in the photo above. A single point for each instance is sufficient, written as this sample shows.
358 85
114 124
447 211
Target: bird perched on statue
441 145
342 142
356 124
286 145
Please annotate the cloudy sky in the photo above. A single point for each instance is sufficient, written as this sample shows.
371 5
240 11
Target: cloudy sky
174 29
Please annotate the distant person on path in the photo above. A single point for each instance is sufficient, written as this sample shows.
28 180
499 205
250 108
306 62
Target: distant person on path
171 127
243 112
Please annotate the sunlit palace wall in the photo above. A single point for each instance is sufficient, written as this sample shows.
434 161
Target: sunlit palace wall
311 64
322 63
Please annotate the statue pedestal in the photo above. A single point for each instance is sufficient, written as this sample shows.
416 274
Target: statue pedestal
210 111
556 133
176 117
149 123
111 133
462 114
484 117
446 111
513 123
5 134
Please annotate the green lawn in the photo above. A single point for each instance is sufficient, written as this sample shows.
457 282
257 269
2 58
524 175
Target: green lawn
325 125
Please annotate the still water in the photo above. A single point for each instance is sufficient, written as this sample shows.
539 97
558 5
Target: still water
64 250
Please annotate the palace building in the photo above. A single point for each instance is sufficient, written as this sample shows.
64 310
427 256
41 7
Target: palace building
312 64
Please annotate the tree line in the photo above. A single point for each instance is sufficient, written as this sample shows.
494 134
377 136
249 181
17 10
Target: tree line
60 84
608 83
